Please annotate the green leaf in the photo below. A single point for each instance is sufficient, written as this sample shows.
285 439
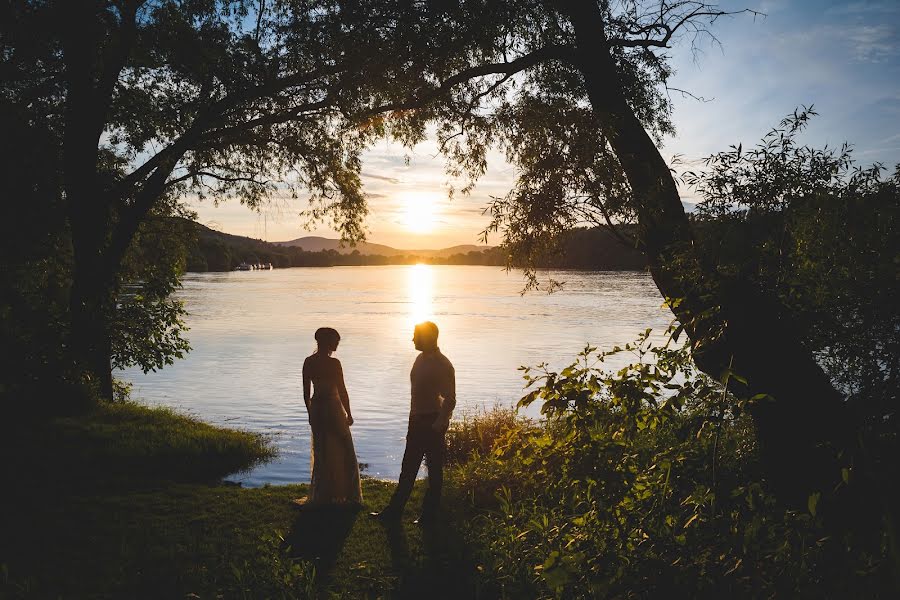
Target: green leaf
813 502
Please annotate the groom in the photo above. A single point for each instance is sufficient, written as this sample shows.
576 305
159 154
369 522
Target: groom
433 384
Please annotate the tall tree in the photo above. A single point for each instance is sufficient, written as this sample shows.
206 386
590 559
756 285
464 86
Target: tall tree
250 99
734 326
576 94
148 100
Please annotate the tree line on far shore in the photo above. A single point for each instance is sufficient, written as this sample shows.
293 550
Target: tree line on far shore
589 249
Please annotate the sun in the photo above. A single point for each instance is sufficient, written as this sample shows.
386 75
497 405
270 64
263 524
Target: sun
420 286
419 211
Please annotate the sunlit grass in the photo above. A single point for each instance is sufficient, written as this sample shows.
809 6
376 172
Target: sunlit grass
130 441
476 433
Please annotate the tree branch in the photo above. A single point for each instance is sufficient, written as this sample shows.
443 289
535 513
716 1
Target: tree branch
699 11
688 94
131 216
555 52
273 119
209 116
216 176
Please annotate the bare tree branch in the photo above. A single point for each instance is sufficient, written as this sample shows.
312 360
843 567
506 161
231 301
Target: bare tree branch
685 93
684 13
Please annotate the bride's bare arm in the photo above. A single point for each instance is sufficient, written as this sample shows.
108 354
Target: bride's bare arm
342 390
306 384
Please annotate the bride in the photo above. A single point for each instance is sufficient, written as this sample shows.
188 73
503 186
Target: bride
335 471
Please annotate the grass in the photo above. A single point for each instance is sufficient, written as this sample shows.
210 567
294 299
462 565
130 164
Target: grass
130 441
220 541
126 503
476 433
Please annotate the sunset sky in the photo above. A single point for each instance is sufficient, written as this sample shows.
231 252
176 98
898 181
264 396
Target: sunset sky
842 57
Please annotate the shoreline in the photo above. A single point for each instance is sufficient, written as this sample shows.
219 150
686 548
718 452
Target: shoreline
126 528
430 264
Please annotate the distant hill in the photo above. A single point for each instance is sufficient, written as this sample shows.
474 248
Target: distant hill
317 244
447 252
211 250
314 243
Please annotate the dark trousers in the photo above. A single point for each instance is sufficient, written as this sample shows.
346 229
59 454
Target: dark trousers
421 440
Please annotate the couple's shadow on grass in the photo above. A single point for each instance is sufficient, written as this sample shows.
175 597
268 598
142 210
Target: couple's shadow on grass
420 560
318 535
430 570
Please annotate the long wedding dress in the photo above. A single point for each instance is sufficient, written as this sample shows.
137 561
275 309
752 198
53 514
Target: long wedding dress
335 470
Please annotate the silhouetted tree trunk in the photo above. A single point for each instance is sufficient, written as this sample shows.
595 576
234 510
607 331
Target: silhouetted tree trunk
88 216
730 325
93 60
91 344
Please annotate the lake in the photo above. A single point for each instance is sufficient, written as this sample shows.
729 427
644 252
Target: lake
250 332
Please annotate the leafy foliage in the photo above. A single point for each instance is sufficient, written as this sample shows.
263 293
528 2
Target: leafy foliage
146 321
504 74
814 230
148 324
645 481
140 103
476 434
258 101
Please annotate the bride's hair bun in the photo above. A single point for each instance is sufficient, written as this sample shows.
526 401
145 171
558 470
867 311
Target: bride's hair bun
327 338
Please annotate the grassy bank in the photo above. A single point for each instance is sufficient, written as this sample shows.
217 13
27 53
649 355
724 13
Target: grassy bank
219 541
607 498
128 441
126 503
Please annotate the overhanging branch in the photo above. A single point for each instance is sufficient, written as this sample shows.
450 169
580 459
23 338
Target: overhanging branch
555 52
212 114
668 24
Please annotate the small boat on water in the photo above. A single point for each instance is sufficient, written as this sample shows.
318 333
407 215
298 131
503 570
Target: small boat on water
254 267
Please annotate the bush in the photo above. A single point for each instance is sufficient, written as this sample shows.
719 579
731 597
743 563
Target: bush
476 433
640 483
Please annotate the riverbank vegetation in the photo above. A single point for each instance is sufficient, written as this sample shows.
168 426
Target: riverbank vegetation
647 481
127 441
128 502
634 483
591 249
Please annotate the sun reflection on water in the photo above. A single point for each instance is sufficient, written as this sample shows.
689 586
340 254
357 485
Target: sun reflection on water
420 285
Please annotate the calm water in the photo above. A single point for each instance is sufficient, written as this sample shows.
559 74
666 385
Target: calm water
250 332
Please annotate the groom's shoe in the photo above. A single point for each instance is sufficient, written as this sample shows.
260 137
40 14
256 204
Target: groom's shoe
426 519
387 515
